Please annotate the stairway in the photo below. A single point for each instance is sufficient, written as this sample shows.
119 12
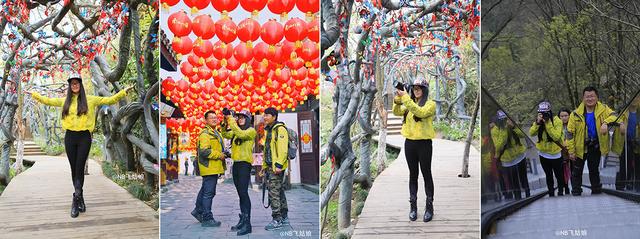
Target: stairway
394 123
30 149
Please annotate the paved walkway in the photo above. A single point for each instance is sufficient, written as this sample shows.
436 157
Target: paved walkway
456 204
178 200
37 202
587 216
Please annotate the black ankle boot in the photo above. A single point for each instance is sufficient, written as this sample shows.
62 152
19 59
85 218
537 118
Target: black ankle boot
413 214
74 206
239 225
245 228
81 206
428 212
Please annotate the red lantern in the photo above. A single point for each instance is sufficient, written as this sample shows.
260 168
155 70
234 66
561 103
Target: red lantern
195 88
204 50
196 5
220 76
222 52
309 7
224 6
275 55
204 73
194 78
295 63
253 6
169 3
295 30
288 51
233 64
242 53
281 7
182 86
226 30
209 87
203 27
313 30
187 69
283 75
249 31
236 77
272 32
260 51
168 85
309 51
212 63
194 60
182 46
179 23
299 74
312 73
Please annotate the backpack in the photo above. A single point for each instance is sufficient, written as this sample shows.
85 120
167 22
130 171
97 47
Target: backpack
292 146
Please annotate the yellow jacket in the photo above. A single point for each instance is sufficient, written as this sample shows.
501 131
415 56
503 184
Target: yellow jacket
578 130
209 144
499 137
410 128
244 151
618 138
554 130
83 122
279 147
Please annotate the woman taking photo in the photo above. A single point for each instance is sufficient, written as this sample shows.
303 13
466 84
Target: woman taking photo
548 128
78 121
242 137
510 151
417 128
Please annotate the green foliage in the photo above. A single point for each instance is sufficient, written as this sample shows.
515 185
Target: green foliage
456 130
136 186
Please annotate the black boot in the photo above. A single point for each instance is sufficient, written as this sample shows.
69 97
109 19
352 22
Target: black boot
428 211
74 206
239 225
245 228
81 206
413 214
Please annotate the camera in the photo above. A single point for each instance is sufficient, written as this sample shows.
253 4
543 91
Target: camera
226 111
546 116
400 86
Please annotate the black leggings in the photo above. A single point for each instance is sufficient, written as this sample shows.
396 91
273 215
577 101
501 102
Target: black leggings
551 167
419 152
77 145
241 178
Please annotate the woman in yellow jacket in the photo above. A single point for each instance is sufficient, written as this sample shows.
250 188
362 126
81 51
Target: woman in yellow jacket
510 151
417 128
549 131
242 137
78 121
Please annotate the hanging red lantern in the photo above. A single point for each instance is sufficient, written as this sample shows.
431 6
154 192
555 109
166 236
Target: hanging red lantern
220 76
224 6
309 7
209 87
187 69
249 31
203 27
179 24
222 52
272 33
299 74
281 7
313 30
253 6
275 55
168 85
195 88
212 63
194 60
236 78
312 73
196 5
182 46
169 3
295 30
283 75
289 51
182 86
203 50
204 73
194 78
295 63
226 30
309 52
242 53
233 64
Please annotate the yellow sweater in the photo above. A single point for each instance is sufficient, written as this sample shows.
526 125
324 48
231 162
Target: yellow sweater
209 146
411 129
554 131
244 151
83 122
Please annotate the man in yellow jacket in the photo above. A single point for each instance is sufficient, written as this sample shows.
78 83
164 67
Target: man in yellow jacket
274 167
210 163
628 150
588 139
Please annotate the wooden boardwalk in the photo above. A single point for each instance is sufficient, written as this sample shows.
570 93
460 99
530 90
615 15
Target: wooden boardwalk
37 202
456 200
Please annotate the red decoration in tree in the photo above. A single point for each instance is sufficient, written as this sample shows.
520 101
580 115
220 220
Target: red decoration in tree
195 60
233 64
204 73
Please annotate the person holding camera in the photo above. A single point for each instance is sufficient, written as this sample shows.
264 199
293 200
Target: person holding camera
242 137
567 164
510 151
549 131
417 127
588 139
210 157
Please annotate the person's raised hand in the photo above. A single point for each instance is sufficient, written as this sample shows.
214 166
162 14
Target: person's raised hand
604 128
128 89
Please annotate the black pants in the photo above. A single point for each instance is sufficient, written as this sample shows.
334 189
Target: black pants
629 168
418 153
77 145
515 177
241 172
592 157
551 167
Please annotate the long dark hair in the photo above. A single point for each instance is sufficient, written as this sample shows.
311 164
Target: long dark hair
83 107
247 125
511 134
421 102
543 129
